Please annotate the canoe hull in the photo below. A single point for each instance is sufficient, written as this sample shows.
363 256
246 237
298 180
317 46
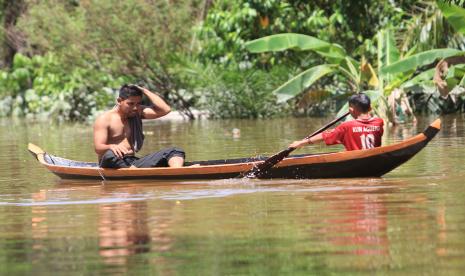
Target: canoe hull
373 166
363 163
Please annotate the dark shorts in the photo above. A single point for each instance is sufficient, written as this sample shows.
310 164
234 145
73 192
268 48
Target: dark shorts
156 159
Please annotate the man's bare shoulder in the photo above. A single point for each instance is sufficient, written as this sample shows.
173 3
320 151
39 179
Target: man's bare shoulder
105 118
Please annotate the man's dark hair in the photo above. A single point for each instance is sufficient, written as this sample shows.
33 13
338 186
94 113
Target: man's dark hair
361 102
128 90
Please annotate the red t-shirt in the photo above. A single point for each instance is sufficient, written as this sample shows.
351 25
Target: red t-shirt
356 134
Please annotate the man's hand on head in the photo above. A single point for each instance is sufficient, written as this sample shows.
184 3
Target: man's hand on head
139 87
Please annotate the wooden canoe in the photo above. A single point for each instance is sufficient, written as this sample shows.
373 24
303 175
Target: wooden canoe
360 163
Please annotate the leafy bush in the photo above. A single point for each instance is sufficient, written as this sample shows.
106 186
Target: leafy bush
40 87
235 91
141 39
79 48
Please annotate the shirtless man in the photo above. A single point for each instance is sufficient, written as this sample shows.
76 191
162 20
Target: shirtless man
118 132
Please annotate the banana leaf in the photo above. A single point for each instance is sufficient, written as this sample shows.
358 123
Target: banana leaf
299 42
425 76
455 15
420 59
387 51
460 74
352 69
298 84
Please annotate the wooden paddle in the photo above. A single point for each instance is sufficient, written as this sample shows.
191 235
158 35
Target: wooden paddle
275 159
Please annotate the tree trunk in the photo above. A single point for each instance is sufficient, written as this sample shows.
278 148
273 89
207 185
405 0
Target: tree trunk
206 6
12 11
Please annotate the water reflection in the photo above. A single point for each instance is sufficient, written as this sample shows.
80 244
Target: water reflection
401 132
365 220
410 221
39 227
355 221
123 231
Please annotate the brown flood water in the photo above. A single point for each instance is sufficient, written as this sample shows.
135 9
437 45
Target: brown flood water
411 221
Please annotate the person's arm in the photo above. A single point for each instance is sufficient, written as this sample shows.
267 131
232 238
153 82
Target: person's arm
101 139
159 107
315 139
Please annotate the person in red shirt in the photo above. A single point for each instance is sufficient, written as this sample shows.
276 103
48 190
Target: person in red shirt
364 132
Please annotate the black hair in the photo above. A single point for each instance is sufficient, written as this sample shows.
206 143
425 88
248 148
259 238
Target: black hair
361 102
128 90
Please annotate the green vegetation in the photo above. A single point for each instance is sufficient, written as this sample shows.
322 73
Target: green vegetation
393 70
235 59
39 86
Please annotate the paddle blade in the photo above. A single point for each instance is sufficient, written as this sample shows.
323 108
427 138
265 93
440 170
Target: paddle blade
268 163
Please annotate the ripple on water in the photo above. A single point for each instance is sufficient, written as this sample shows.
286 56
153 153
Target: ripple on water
411 221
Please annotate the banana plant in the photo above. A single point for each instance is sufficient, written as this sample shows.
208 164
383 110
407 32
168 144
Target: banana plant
454 14
393 69
337 61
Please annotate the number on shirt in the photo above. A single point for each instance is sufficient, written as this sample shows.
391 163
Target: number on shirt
368 141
